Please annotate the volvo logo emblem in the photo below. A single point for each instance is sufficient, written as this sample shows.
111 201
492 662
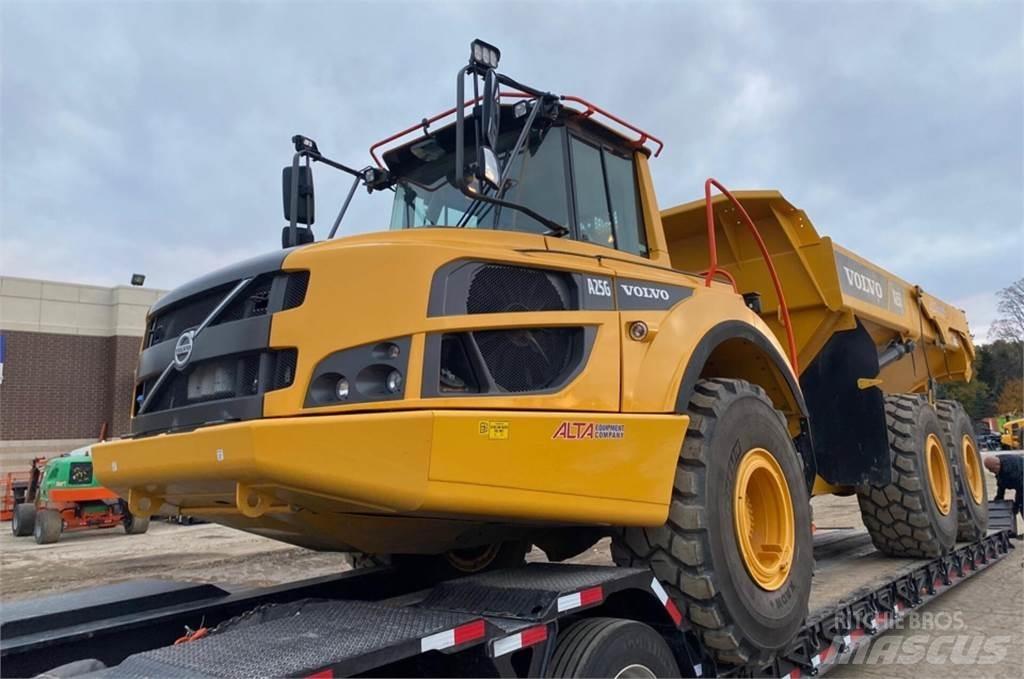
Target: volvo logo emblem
183 349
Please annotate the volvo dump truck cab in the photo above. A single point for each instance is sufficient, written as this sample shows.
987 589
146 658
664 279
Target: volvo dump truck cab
535 353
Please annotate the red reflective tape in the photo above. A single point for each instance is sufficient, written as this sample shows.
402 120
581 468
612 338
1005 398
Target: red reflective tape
673 611
322 674
469 631
591 596
534 635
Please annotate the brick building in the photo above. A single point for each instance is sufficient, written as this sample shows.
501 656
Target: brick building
69 356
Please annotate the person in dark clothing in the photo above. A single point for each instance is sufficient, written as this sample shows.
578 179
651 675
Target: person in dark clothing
1009 471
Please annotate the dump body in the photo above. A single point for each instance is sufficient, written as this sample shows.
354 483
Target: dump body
828 288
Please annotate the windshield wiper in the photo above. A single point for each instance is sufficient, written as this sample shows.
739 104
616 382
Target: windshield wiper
554 228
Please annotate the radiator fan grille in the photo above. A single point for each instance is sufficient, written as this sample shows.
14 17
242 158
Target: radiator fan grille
508 289
523 359
527 359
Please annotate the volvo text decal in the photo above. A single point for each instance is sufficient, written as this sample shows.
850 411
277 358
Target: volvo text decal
645 295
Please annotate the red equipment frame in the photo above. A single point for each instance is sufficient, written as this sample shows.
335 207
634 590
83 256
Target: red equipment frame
590 110
713 259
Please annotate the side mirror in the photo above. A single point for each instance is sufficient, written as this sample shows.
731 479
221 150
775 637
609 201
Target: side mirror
302 236
489 169
305 203
488 166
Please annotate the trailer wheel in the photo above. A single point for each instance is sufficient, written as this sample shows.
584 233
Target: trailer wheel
916 515
612 647
135 525
24 519
49 524
736 551
971 493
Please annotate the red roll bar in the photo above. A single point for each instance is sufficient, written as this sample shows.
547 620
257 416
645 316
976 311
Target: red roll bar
590 110
713 257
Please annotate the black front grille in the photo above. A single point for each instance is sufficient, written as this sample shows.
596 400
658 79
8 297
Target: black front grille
504 289
295 290
220 378
253 301
284 369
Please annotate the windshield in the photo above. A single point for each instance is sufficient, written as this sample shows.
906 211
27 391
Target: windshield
425 194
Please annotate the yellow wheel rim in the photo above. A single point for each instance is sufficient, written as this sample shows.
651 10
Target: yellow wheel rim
938 474
474 559
763 518
972 470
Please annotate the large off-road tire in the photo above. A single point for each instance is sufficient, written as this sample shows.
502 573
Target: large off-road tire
971 492
611 647
23 520
743 577
49 524
135 525
457 563
915 515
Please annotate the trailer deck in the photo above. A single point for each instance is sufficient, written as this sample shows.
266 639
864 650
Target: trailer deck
362 622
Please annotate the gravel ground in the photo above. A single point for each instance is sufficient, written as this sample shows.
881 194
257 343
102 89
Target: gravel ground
977 628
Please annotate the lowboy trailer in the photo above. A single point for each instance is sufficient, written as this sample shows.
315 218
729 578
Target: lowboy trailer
542 619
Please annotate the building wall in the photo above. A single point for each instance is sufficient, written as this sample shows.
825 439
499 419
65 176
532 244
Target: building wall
69 364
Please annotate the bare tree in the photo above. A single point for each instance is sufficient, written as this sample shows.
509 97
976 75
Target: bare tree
1010 325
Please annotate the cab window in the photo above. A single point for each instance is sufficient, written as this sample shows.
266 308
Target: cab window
607 209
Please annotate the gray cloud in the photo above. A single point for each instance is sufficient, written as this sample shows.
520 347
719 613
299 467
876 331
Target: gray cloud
149 136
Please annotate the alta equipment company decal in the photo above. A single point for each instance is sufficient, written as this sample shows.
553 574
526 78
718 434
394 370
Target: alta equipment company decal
578 431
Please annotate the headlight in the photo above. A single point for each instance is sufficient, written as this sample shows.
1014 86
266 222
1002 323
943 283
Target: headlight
393 383
341 389
363 374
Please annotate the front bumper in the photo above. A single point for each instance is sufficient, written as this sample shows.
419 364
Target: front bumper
515 466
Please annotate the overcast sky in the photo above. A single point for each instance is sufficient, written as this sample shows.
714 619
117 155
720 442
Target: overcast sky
150 136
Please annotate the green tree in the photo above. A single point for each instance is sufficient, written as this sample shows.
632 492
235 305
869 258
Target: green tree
975 396
997 363
1011 398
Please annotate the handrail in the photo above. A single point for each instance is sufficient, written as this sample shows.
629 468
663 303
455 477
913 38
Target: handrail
713 256
589 111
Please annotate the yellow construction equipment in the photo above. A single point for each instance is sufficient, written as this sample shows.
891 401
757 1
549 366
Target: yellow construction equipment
537 353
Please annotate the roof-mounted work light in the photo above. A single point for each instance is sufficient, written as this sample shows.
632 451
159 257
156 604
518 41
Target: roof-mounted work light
483 54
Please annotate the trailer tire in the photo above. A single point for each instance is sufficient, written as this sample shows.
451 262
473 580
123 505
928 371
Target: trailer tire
914 516
23 521
608 647
971 490
135 525
701 554
49 524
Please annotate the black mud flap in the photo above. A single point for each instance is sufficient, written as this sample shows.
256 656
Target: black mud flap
848 427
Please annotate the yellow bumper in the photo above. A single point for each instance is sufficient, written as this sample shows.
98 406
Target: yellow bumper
507 465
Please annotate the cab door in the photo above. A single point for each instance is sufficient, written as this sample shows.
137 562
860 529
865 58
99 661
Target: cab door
616 222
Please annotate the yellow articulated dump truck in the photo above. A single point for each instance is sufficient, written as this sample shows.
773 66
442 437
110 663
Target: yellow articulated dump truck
536 353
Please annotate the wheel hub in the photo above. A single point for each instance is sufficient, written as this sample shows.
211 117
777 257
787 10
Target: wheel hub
763 518
972 470
938 474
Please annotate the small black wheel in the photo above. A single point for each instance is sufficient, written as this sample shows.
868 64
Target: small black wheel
49 524
614 648
135 525
24 519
